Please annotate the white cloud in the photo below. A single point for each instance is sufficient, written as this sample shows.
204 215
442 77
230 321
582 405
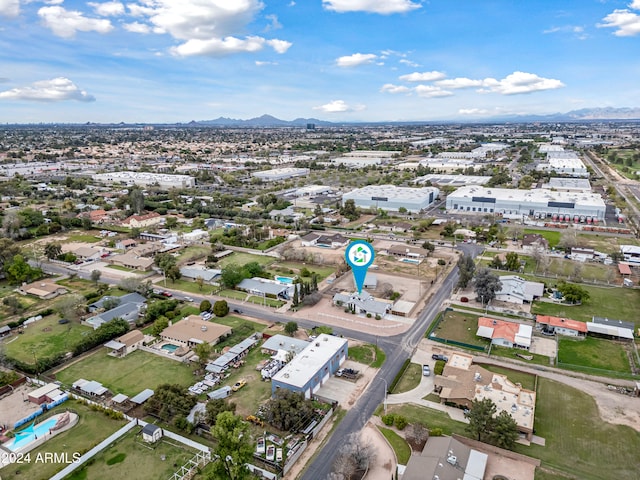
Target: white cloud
384 7
339 106
431 91
408 63
65 23
207 27
275 24
391 88
137 27
54 90
262 64
626 22
9 8
227 46
108 9
461 82
635 4
519 83
577 31
474 111
356 59
423 77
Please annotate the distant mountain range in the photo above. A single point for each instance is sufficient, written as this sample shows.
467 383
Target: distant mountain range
582 115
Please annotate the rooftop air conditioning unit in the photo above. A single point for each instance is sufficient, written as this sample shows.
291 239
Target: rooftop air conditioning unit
203 328
452 459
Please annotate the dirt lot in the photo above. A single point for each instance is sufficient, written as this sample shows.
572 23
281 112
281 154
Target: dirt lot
16 405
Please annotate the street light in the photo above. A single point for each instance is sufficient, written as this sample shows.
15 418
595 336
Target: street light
386 389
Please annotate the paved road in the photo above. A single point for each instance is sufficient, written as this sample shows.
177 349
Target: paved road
397 349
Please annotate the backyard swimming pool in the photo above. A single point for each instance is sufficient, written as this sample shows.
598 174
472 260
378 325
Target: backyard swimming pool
30 434
285 280
169 347
410 260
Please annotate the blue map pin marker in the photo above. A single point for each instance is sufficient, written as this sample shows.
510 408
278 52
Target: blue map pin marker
359 255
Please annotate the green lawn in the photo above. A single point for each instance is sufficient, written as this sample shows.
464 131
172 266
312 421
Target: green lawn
125 269
322 271
78 285
44 339
189 286
592 352
410 378
610 302
271 302
234 294
511 353
428 417
461 327
399 445
241 258
527 380
552 236
368 355
91 429
578 443
129 375
241 329
132 458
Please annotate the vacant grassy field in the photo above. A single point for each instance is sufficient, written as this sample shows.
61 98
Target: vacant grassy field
593 352
577 442
241 258
552 236
399 445
507 352
322 271
241 329
129 375
410 379
610 302
78 285
368 355
44 339
605 243
527 380
91 429
461 327
132 458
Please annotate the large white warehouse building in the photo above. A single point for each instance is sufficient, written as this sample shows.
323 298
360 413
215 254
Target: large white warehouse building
145 179
390 197
537 203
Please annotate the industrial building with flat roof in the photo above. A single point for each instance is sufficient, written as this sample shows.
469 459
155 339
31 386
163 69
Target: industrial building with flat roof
276 174
145 179
390 197
564 163
313 366
536 203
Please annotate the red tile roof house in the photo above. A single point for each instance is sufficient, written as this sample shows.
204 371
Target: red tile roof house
503 333
562 326
140 221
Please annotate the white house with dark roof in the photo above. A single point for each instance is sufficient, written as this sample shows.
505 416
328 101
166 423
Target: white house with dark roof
266 288
516 289
362 303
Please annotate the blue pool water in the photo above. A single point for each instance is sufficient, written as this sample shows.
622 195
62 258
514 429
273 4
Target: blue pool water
285 280
31 433
169 347
410 260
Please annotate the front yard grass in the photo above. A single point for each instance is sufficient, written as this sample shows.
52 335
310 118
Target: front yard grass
129 375
368 355
234 294
132 458
399 445
610 302
592 352
461 327
91 429
43 339
410 378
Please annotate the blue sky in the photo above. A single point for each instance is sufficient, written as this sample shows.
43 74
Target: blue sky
337 60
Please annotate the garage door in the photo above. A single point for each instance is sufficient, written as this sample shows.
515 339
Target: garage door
325 378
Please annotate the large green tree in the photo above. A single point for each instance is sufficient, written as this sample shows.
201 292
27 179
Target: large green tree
480 417
220 308
233 448
18 271
8 250
487 284
52 250
466 267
